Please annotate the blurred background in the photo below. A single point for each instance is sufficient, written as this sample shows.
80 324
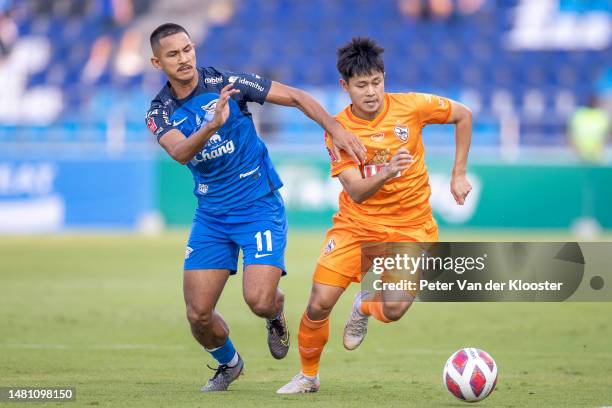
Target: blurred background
75 80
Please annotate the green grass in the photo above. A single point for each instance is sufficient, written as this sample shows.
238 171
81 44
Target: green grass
105 314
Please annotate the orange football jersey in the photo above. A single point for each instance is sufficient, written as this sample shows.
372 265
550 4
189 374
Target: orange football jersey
403 200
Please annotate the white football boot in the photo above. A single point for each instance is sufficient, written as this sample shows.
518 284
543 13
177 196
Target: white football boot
356 325
300 384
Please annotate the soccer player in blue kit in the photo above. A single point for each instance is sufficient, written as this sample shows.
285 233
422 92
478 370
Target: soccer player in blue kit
200 117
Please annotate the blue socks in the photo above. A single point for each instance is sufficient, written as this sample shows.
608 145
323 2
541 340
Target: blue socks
226 354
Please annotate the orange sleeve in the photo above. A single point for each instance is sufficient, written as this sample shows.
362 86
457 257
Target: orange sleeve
338 164
432 109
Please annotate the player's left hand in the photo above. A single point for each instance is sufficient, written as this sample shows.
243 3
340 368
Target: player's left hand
460 188
222 110
344 140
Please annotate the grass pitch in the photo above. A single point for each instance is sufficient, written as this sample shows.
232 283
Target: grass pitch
105 314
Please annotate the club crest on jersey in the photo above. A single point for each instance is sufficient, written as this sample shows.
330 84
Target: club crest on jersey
331 244
209 108
377 137
202 188
401 132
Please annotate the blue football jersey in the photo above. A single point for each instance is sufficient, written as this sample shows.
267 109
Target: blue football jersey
234 167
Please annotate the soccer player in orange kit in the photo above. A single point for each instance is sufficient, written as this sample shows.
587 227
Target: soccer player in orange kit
384 200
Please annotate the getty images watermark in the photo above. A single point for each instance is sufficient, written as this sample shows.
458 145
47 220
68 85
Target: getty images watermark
498 271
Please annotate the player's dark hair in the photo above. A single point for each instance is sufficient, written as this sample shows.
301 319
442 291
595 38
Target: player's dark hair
165 30
361 56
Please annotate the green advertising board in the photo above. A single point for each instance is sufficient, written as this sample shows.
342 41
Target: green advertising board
504 195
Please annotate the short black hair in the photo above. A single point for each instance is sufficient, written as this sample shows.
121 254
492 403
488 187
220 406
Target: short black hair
165 30
360 56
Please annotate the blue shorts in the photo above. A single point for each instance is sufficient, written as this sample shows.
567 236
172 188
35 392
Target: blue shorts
259 229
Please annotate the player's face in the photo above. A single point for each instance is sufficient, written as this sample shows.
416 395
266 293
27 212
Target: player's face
366 93
176 57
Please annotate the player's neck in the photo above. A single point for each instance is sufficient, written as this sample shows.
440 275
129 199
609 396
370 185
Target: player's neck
182 89
369 116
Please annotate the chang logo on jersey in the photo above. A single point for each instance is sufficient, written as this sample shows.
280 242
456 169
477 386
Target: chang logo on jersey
226 148
214 140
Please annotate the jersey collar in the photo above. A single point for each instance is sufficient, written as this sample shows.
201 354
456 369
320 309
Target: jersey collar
373 123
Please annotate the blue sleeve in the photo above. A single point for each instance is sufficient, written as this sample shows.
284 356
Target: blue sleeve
158 119
253 88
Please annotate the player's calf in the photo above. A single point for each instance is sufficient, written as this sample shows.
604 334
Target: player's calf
276 324
394 311
264 298
207 327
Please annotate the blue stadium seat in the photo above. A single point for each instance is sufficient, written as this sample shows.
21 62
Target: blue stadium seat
295 42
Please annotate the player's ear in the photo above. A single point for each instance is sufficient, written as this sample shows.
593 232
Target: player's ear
155 62
344 84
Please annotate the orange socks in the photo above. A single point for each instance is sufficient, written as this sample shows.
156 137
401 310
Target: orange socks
312 337
374 308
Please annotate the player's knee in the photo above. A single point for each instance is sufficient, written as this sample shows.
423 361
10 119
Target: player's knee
261 307
263 302
318 309
394 311
199 316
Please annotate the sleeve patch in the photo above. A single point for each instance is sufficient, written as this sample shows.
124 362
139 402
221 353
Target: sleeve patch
151 124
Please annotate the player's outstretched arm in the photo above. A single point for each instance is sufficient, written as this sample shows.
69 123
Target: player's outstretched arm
343 140
183 149
461 116
360 189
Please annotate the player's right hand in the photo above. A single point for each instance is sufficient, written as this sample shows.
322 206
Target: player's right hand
400 161
342 139
222 108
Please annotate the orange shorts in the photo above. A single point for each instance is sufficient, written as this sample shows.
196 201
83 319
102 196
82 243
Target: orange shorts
340 261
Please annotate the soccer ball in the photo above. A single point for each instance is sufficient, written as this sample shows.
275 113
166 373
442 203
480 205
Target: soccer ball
470 374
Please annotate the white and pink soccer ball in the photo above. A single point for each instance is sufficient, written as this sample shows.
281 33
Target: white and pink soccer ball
470 374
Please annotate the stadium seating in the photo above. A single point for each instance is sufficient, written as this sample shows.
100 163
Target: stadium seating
465 56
